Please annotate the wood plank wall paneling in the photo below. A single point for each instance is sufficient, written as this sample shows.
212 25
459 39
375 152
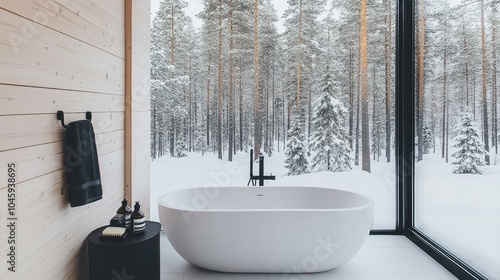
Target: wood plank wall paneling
46 128
42 195
16 100
68 55
52 59
82 22
49 157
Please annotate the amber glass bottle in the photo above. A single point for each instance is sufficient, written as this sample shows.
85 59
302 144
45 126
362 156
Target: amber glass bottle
127 212
138 219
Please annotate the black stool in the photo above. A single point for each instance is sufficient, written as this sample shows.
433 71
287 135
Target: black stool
136 256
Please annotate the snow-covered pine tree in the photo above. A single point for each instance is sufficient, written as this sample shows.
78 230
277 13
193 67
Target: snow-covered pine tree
378 139
181 146
296 150
328 138
201 139
269 149
470 153
428 138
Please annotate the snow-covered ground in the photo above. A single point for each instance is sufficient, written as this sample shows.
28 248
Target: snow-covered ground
460 211
195 170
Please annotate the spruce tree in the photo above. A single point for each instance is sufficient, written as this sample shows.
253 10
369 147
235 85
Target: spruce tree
269 149
329 135
428 139
200 141
180 146
296 150
470 153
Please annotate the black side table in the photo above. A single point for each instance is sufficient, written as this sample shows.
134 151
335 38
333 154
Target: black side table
136 256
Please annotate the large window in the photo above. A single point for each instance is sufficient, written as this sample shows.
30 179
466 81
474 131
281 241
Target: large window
212 102
319 86
457 171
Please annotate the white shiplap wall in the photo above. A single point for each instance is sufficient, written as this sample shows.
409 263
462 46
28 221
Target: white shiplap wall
67 55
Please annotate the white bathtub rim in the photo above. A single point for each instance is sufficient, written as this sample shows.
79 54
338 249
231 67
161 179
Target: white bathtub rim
370 203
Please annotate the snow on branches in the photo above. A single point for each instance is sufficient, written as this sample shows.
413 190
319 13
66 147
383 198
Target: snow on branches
471 152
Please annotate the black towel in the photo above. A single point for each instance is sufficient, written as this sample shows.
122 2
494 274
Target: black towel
81 164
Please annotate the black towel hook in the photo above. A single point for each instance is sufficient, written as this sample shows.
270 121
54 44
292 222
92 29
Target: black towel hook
60 116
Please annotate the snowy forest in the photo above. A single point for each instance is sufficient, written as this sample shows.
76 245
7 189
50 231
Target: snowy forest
322 90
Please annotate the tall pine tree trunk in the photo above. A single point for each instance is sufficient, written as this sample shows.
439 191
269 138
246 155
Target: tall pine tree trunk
388 81
351 98
161 136
273 102
445 93
172 35
473 101
172 135
241 108
195 129
283 109
433 129
444 134
309 99
466 66
494 92
289 108
256 108
420 80
219 88
208 97
299 60
266 139
365 127
485 98
376 135
278 124
231 85
190 118
447 125
356 148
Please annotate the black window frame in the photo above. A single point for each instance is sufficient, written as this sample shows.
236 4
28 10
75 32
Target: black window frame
405 148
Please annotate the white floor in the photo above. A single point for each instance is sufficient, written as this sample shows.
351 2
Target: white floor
381 257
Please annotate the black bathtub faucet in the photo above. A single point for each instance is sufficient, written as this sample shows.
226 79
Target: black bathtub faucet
261 177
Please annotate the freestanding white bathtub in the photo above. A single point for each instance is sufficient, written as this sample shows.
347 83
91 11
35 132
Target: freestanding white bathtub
266 229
